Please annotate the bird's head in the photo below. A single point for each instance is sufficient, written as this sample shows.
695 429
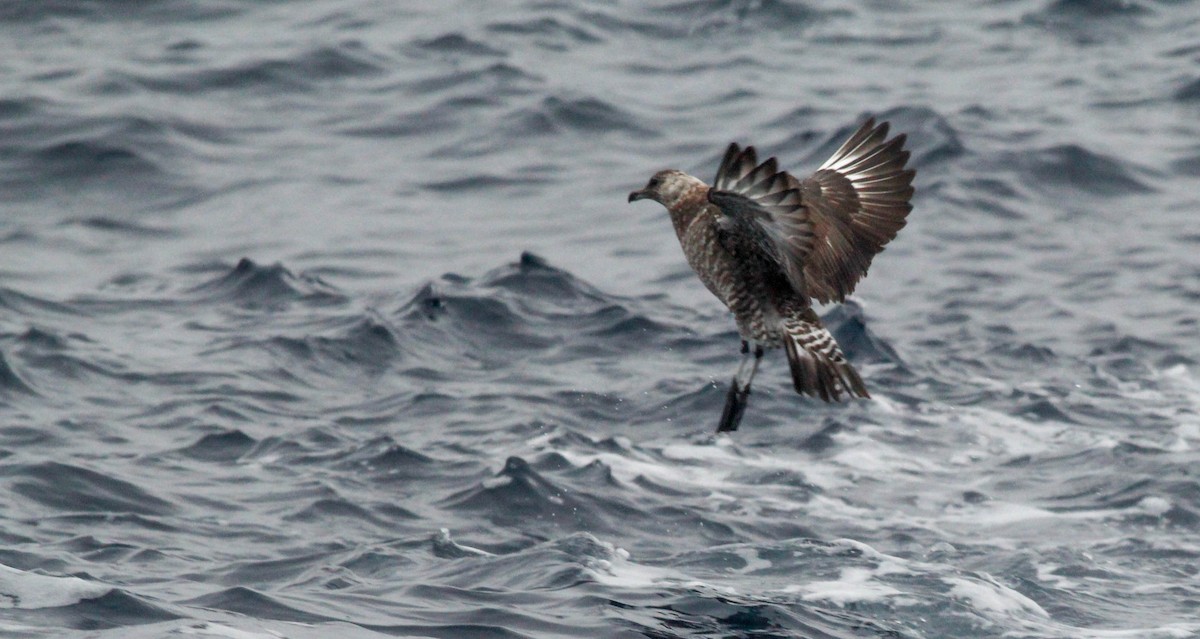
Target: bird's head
666 187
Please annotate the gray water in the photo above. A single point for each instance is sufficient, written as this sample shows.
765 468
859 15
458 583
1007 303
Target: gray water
331 319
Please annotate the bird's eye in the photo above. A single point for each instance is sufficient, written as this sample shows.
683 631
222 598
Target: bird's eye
653 183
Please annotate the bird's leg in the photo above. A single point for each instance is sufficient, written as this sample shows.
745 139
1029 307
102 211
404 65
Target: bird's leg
758 355
739 391
745 360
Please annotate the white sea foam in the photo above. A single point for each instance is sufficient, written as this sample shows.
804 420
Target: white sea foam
219 630
837 545
720 449
619 570
443 539
987 596
753 559
1169 631
713 474
854 585
870 461
858 584
1046 575
27 590
497 481
1187 435
1152 505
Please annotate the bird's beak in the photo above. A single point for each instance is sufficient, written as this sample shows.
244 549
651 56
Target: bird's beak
637 195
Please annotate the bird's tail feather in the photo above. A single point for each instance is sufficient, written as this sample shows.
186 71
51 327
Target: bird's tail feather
819 369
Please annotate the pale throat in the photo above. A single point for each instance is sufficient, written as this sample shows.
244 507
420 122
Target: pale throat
689 202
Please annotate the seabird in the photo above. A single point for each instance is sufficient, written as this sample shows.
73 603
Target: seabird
767 245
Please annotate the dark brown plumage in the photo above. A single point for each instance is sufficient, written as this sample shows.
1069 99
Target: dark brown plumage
766 244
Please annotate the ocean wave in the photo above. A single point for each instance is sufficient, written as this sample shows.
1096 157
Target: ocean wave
528 309
127 157
546 32
251 285
550 116
457 43
95 10
705 16
300 72
11 381
248 601
493 79
1090 22
71 488
1073 168
1189 92
518 494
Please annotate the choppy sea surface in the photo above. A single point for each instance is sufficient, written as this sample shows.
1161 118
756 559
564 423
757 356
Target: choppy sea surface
331 319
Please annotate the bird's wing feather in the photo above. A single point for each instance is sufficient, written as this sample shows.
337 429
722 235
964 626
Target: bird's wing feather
857 202
824 231
763 215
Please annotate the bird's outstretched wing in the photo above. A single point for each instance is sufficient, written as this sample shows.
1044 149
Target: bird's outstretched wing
824 231
857 202
763 214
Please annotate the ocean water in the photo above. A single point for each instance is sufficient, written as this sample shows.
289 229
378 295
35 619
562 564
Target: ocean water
331 319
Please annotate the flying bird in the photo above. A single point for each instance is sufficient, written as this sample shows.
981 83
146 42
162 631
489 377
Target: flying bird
767 245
